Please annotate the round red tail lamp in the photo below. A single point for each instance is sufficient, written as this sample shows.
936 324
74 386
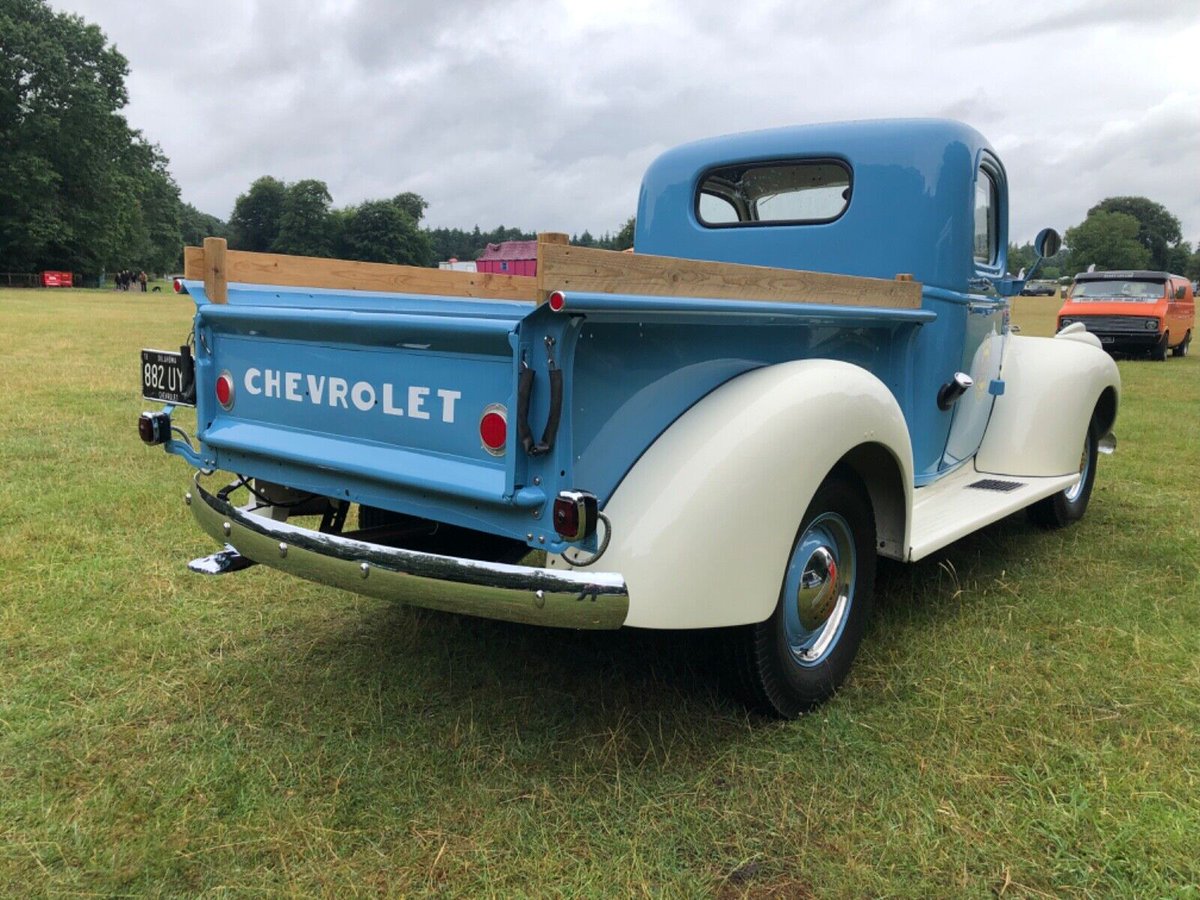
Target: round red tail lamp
493 429
177 285
557 301
225 390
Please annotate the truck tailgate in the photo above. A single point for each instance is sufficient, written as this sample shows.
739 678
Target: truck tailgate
374 404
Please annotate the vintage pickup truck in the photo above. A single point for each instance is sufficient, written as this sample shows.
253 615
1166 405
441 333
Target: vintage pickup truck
806 363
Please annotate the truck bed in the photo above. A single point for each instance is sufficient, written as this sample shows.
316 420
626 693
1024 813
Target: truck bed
376 397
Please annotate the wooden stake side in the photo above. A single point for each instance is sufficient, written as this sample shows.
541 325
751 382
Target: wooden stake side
585 269
216 282
352 275
560 267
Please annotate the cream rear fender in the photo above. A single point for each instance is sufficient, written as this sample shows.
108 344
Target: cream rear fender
704 523
1052 387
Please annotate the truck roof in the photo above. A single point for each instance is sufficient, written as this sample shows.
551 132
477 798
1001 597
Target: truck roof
1125 275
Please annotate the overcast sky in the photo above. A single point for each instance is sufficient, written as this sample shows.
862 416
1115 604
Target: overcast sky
543 115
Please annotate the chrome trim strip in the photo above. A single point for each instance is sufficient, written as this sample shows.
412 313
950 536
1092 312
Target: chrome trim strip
566 599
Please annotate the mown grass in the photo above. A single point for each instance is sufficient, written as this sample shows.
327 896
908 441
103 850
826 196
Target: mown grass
1023 719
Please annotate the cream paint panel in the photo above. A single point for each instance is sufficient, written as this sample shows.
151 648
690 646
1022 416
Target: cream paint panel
950 508
704 523
1038 424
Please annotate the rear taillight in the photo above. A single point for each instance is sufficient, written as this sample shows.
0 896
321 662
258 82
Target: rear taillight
224 390
177 286
575 514
493 429
557 301
154 427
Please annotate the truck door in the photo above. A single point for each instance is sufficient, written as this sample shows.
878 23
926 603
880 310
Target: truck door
985 322
982 353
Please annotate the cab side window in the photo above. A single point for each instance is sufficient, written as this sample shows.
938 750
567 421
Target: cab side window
987 211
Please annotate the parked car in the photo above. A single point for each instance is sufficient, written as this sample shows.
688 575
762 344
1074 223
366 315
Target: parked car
1133 311
1039 289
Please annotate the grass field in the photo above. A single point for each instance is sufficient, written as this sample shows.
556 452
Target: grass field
1023 720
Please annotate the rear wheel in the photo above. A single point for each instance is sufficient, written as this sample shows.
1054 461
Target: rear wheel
800 655
1069 505
1182 349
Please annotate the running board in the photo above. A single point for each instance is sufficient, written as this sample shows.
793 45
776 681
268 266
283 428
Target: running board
966 500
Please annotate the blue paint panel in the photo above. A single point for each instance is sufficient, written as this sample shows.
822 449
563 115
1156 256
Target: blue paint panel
911 210
632 380
398 397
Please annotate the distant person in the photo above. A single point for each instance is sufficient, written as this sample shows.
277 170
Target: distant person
142 280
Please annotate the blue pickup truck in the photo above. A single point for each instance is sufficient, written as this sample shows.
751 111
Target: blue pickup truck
806 363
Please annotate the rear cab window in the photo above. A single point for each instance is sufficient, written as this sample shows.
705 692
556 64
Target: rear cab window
790 192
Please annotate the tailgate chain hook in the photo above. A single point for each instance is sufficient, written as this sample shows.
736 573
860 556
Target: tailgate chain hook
525 391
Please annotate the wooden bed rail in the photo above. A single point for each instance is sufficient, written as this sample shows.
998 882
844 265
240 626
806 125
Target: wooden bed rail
560 267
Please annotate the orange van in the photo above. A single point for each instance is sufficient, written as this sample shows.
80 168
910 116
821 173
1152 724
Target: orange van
1133 312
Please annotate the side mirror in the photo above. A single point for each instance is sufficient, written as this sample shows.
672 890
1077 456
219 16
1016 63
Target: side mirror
1047 243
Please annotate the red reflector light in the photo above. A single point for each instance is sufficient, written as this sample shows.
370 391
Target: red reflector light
575 514
225 390
154 428
177 285
493 429
557 301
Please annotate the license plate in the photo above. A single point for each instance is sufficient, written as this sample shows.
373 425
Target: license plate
1107 339
163 378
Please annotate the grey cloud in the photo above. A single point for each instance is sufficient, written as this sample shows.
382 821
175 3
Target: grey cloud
543 114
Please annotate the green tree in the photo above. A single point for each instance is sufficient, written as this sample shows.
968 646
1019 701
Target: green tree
1107 240
195 226
1020 257
1158 230
254 224
79 189
155 242
305 225
1192 269
1178 258
413 204
455 243
384 231
623 239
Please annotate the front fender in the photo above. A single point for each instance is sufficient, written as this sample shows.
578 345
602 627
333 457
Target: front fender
704 523
1052 386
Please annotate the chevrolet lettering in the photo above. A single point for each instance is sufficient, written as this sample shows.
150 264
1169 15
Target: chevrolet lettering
805 364
332 390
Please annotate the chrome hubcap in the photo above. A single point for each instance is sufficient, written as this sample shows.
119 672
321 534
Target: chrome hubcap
1073 492
819 588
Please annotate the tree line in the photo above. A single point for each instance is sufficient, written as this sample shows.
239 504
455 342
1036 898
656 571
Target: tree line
298 218
1118 233
81 190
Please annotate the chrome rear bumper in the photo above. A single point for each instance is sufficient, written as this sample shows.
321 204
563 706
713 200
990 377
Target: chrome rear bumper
567 599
